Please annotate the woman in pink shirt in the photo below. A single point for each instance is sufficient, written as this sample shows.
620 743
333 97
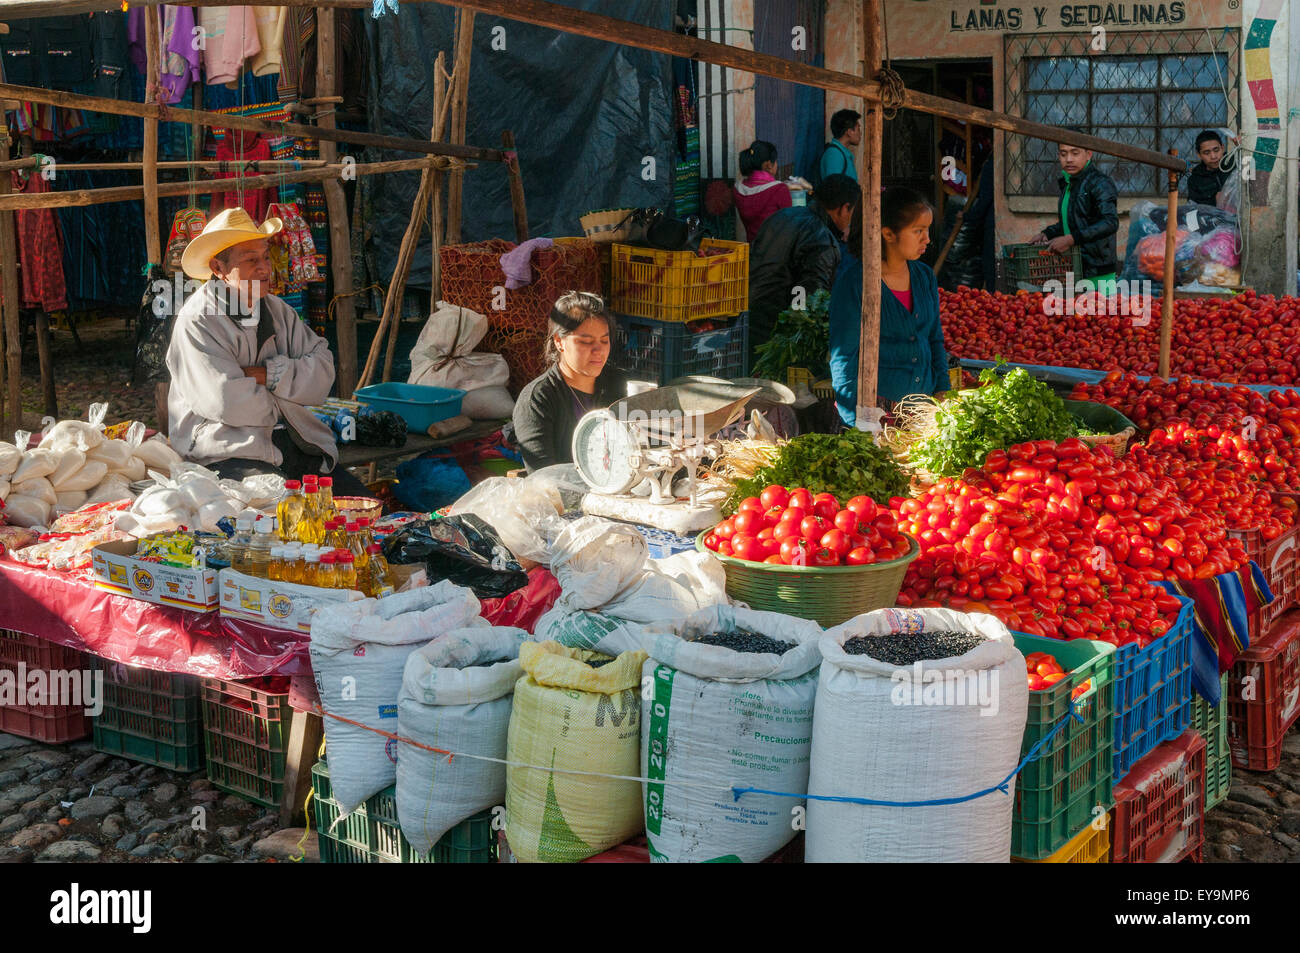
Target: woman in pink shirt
759 195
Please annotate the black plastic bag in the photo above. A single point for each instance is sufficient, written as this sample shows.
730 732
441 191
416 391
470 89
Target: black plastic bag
153 330
462 549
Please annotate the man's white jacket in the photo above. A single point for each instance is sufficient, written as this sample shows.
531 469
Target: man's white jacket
217 413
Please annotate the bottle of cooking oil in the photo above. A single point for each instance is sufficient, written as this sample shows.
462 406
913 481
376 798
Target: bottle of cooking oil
381 579
238 546
259 550
310 528
275 568
357 546
335 535
310 566
293 563
367 533
325 574
328 510
345 570
289 509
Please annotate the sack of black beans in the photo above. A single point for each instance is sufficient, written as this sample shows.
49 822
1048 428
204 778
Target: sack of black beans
727 702
574 738
456 695
916 705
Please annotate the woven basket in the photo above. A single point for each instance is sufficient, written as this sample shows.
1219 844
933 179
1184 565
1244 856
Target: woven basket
826 595
611 225
1118 442
356 507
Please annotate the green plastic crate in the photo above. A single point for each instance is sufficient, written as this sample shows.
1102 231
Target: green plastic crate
151 717
1035 265
372 834
1056 794
1212 723
244 734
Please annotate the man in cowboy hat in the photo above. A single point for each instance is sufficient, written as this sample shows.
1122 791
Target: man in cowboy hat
244 367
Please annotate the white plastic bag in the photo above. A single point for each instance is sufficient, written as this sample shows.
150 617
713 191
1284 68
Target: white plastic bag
487 403
443 354
10 458
72 435
26 510
456 695
720 719
524 514
70 462
38 488
157 454
937 729
358 655
91 474
35 463
69 500
133 470
110 489
116 453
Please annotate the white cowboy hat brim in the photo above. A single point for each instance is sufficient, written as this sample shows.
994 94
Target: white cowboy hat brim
197 254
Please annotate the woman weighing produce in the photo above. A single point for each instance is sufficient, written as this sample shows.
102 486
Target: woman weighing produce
579 380
913 359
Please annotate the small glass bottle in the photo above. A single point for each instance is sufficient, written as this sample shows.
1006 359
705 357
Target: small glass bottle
289 509
238 546
275 566
310 566
367 531
325 574
328 510
259 550
356 545
310 528
380 575
335 536
293 563
345 570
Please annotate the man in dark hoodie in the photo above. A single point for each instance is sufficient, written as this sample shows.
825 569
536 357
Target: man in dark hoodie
1207 177
1089 218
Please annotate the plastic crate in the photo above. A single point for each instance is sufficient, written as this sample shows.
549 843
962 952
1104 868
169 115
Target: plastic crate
53 724
1153 692
660 351
1281 566
1057 794
1212 723
1089 846
245 732
637 851
1261 710
1160 806
680 285
148 716
372 834
1035 265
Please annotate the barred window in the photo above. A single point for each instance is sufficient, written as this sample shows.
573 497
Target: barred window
1152 90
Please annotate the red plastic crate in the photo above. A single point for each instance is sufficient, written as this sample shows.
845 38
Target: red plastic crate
1279 559
53 724
1261 710
1160 805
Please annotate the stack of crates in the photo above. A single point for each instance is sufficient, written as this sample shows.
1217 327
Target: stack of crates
21 654
1153 691
1160 805
1211 721
372 834
1089 846
1263 695
680 312
245 734
1279 560
148 716
1063 791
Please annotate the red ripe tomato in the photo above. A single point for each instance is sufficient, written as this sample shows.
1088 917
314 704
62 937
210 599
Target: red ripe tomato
1036 683
725 530
813 527
794 551
774 495
801 498
823 557
785 529
751 503
796 513
750 548
1052 679
748 521
837 541
774 560
886 524
825 505
864 506
765 533
860 556
847 520
773 515
724 548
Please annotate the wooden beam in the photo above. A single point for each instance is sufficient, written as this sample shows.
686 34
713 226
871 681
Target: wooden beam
873 125
134 193
436 220
9 292
459 96
149 170
517 205
1167 296
50 394
340 257
117 107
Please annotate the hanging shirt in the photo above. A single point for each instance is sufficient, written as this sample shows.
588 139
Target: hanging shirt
240 144
270 36
40 250
231 35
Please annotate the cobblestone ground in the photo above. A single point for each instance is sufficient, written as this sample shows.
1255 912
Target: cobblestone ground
62 803
1260 820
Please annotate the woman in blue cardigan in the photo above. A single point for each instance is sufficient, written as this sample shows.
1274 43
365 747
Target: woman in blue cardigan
913 359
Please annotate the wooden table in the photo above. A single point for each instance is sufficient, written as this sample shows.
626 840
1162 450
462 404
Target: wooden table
356 455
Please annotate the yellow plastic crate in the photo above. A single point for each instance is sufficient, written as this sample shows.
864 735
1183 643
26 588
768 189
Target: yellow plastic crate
1089 846
794 376
680 286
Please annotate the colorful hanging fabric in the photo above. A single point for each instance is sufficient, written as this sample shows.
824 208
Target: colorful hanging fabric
186 226
238 144
40 250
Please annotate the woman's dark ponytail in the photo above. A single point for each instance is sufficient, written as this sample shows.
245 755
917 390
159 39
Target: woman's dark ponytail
759 152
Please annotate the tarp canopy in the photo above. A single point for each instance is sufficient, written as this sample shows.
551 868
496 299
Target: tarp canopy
585 114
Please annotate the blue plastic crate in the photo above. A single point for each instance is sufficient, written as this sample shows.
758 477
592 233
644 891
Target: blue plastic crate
659 351
1153 692
663 543
417 404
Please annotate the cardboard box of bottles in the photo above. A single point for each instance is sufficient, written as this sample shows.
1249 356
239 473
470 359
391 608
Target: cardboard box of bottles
282 605
118 571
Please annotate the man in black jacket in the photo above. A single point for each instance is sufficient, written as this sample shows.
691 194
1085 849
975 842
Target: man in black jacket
1207 176
797 247
1089 218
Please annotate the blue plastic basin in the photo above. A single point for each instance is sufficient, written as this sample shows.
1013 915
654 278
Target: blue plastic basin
417 404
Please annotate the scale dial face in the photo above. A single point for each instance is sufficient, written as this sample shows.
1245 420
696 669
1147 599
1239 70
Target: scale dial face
603 447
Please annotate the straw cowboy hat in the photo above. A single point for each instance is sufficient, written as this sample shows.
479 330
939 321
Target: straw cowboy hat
230 227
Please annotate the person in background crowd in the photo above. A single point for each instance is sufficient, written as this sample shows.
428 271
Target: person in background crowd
913 359
759 195
1207 177
797 247
1089 218
580 379
837 159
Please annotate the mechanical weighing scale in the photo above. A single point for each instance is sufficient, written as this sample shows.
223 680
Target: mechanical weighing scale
629 453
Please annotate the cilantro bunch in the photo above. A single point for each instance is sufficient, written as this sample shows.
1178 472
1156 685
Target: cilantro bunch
847 464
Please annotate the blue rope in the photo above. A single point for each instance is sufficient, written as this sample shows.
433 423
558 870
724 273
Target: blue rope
1031 755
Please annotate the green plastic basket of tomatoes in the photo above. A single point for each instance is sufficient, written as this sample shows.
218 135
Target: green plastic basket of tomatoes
811 557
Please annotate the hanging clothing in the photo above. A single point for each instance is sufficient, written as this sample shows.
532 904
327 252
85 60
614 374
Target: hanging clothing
179 60
108 38
240 144
50 52
298 57
40 251
270 35
231 38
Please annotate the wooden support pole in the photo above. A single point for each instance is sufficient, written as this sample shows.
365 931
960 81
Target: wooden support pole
516 186
870 179
436 223
9 292
51 397
459 109
134 193
397 286
1167 298
152 237
345 314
